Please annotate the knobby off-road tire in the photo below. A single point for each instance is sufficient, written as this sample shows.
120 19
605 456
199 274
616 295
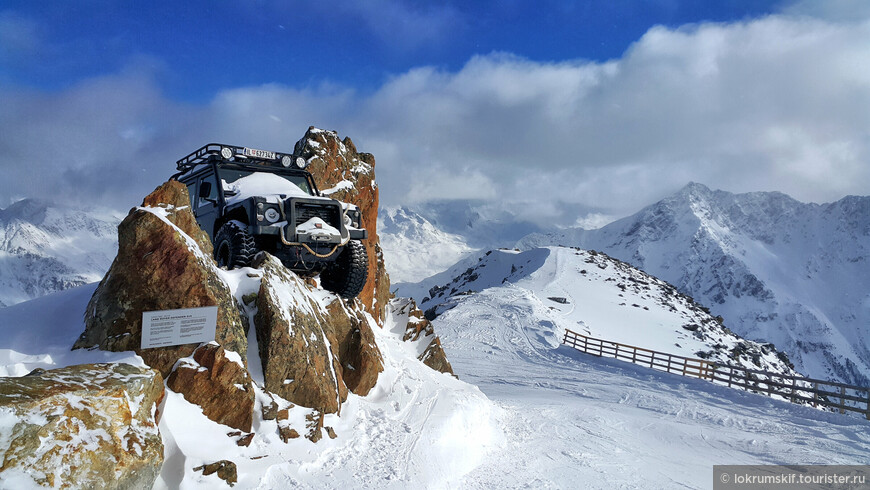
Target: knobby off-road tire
233 246
347 275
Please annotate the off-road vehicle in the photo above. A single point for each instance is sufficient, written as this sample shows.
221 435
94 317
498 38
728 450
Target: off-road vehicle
249 200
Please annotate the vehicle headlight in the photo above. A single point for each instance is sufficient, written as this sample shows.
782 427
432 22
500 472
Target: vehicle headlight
272 215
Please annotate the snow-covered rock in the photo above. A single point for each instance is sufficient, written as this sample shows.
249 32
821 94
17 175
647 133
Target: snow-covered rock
46 248
777 270
84 426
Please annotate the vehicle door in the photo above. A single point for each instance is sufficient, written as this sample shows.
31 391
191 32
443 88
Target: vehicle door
206 208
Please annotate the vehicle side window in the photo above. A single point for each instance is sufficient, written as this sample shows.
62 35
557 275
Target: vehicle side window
210 182
191 191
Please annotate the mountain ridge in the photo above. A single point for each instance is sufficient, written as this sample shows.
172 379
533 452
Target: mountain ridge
776 269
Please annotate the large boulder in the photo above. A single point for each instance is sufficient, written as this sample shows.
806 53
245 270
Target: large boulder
312 346
163 263
345 174
86 426
217 381
419 330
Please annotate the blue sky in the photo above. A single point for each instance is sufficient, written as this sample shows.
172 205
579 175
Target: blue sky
570 110
197 48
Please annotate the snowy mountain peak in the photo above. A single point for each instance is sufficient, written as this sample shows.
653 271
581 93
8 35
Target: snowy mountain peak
414 248
46 248
28 210
776 269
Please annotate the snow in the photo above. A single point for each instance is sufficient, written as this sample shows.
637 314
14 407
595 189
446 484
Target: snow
569 417
46 248
263 184
776 269
525 411
40 332
343 185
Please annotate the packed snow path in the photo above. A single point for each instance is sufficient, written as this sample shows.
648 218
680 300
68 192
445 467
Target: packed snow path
574 420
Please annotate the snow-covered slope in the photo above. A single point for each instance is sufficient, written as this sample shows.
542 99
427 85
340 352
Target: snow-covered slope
575 420
417 427
590 293
777 270
550 417
413 248
46 248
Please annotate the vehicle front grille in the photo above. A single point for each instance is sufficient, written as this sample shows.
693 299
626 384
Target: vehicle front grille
328 213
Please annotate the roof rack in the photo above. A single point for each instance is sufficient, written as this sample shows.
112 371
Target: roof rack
231 153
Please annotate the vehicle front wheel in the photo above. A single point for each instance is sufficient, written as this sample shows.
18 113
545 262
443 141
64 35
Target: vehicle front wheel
233 246
346 276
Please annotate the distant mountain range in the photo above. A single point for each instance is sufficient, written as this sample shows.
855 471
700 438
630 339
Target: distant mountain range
777 270
46 248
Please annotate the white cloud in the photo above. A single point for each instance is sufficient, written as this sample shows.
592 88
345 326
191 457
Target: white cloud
778 103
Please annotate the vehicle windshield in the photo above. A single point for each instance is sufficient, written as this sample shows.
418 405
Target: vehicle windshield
231 175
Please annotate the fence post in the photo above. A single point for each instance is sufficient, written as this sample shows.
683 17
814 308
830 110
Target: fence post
815 395
634 361
793 383
616 352
842 400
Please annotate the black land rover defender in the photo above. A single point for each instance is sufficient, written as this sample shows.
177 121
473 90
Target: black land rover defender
249 200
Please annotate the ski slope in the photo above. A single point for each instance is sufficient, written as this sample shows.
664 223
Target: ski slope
573 420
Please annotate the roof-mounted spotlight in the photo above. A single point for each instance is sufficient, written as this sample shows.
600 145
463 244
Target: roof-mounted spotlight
286 161
301 163
227 152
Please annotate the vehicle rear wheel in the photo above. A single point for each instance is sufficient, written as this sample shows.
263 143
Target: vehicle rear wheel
233 246
346 276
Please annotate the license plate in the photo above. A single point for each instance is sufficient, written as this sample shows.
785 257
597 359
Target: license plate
267 155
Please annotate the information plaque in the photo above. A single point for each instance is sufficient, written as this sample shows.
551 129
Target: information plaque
177 327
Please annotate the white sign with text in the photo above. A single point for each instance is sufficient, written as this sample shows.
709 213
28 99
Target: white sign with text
177 327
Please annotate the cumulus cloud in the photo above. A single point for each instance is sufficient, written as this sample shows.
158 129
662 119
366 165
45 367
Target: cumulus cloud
777 103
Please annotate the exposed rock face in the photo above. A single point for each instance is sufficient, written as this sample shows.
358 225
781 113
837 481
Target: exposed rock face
225 469
86 426
312 348
217 381
419 329
361 360
163 263
349 176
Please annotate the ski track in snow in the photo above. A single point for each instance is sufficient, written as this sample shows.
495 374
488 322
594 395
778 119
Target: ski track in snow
574 420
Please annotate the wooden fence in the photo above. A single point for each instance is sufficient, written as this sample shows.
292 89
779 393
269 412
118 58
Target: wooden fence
796 389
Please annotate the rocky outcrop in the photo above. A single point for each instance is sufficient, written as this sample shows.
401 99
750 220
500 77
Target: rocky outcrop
345 174
312 347
419 329
86 426
217 381
360 358
225 470
163 263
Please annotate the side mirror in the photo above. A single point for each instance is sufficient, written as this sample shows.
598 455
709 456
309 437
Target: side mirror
204 190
